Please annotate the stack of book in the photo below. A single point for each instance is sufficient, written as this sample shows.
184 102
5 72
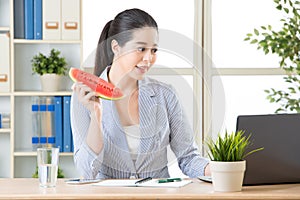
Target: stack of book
47 19
51 123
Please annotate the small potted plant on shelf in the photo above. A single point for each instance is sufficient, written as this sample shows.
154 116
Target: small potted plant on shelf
60 173
50 68
227 160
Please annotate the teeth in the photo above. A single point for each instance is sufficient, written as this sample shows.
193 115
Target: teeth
142 67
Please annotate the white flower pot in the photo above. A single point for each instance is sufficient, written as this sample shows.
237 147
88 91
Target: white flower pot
227 176
50 82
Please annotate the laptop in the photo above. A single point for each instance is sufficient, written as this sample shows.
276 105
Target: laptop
279 162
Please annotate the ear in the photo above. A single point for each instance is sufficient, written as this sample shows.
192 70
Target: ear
115 47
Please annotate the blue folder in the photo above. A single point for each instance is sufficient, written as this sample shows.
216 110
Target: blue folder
19 19
28 16
58 122
67 135
37 19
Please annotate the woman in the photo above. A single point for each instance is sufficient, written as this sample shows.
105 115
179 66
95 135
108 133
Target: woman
128 138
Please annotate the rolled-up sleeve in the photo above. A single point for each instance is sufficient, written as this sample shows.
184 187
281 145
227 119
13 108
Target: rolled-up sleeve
86 161
182 140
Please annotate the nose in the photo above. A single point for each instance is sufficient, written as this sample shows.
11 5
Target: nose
148 56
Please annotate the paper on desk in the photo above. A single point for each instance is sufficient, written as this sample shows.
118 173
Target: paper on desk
131 183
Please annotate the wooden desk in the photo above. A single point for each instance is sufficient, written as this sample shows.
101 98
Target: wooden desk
29 189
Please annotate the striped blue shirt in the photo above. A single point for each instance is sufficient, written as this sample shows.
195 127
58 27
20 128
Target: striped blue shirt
162 124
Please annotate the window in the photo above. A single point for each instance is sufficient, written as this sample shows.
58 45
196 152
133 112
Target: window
231 21
241 73
177 22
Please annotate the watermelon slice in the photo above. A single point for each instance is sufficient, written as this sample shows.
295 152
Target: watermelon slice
103 88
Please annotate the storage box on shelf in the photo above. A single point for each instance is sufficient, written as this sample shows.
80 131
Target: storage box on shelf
6 100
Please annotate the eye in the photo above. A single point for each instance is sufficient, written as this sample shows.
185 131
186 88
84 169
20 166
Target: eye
154 50
141 49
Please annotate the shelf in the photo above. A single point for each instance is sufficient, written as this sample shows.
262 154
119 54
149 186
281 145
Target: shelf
23 41
5 130
33 153
4 28
40 93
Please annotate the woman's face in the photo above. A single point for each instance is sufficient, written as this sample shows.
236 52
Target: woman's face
137 56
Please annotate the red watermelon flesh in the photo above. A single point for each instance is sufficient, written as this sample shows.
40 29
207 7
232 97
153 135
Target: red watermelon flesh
103 88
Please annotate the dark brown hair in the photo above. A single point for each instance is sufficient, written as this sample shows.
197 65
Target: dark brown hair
125 22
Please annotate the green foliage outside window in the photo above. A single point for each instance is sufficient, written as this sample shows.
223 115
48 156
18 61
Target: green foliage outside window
286 44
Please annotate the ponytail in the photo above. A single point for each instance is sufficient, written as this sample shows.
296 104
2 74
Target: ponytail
104 54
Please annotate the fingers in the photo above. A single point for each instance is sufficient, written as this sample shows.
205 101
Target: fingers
85 95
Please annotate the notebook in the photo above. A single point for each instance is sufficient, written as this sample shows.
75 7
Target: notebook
132 183
279 162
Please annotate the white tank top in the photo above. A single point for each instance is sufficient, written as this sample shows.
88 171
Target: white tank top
133 135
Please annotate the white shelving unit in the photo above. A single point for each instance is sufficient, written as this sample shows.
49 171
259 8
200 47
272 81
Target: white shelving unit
4 28
16 140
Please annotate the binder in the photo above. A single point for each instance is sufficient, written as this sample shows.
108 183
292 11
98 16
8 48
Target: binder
28 16
51 19
43 118
19 19
4 63
67 135
58 106
35 113
70 16
37 19
50 122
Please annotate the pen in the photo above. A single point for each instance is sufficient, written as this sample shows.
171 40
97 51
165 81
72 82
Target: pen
143 180
75 179
169 180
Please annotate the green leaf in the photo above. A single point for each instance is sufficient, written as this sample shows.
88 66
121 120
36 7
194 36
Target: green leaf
286 10
279 7
270 27
253 41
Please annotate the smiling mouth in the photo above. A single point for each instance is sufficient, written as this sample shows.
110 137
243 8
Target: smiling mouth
144 68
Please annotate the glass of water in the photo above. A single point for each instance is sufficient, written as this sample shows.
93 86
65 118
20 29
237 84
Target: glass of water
47 159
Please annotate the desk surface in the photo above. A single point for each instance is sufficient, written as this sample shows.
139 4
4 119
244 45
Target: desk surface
29 189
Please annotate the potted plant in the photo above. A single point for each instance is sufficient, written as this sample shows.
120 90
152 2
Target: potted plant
50 68
227 163
60 173
285 43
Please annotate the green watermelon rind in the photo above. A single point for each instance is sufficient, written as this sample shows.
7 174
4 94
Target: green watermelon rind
98 94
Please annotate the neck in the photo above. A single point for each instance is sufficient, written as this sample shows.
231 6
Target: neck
122 80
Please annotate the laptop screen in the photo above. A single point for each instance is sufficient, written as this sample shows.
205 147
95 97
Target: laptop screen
279 162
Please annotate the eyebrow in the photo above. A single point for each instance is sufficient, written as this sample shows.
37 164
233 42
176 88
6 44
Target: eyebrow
144 43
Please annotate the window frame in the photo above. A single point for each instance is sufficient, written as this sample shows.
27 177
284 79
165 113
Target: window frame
210 71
